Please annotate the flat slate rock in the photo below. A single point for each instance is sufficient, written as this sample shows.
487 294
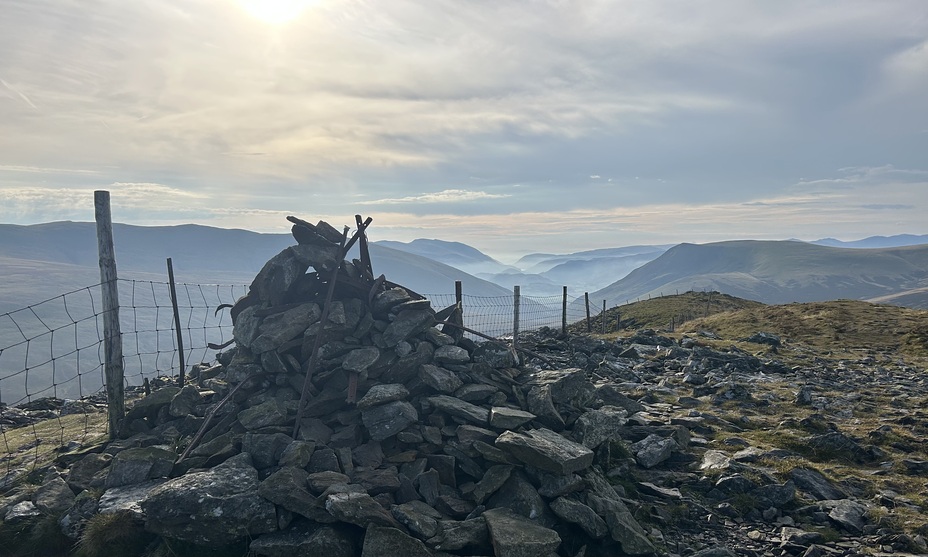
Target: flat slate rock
515 536
460 409
547 450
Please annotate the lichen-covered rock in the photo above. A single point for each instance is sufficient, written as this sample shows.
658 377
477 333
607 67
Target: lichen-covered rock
547 450
217 507
515 536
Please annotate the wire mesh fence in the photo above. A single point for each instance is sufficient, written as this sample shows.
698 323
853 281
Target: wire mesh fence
52 353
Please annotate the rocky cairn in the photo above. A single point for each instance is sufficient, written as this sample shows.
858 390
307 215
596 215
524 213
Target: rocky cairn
411 439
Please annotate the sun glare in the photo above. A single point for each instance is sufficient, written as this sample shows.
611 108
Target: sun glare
275 12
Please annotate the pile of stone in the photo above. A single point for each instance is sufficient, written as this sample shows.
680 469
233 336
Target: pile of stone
352 425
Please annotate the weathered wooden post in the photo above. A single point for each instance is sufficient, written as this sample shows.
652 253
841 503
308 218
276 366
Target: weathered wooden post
564 312
112 336
586 298
604 317
516 301
180 337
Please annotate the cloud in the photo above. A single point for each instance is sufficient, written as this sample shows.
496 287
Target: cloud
445 196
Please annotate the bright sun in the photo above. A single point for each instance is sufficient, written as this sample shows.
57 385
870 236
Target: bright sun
275 12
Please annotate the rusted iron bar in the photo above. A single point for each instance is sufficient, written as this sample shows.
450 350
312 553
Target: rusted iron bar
209 417
318 341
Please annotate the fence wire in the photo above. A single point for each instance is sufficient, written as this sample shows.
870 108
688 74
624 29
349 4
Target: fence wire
52 354
52 360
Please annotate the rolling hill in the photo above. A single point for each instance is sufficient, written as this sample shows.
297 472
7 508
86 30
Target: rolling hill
776 272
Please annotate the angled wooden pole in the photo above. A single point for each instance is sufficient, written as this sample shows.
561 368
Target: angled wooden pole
112 336
177 329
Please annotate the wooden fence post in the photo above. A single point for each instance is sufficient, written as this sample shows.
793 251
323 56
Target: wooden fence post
604 317
564 312
586 297
180 337
516 302
112 336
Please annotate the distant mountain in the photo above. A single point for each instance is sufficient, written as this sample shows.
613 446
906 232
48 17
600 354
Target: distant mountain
44 260
775 272
458 255
592 274
541 262
896 241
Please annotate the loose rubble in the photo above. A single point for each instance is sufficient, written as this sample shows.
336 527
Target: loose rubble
416 440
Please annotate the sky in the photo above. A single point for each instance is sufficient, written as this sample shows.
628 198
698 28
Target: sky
513 126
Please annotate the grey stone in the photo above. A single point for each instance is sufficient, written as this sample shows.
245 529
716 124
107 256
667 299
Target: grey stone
815 484
382 394
21 512
515 536
53 497
265 448
359 509
359 359
216 507
324 459
556 485
288 488
127 498
84 474
458 534
567 386
495 356
437 337
245 328
775 495
375 482
297 453
185 402
268 413
595 427
492 480
418 517
622 525
321 481
519 496
278 328
460 409
151 404
429 486
439 378
503 417
369 454
328 540
652 450
797 536
380 541
385 421
451 354
849 515
277 276
388 299
133 466
581 515
475 392
547 450
541 403
406 325
611 396
74 521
